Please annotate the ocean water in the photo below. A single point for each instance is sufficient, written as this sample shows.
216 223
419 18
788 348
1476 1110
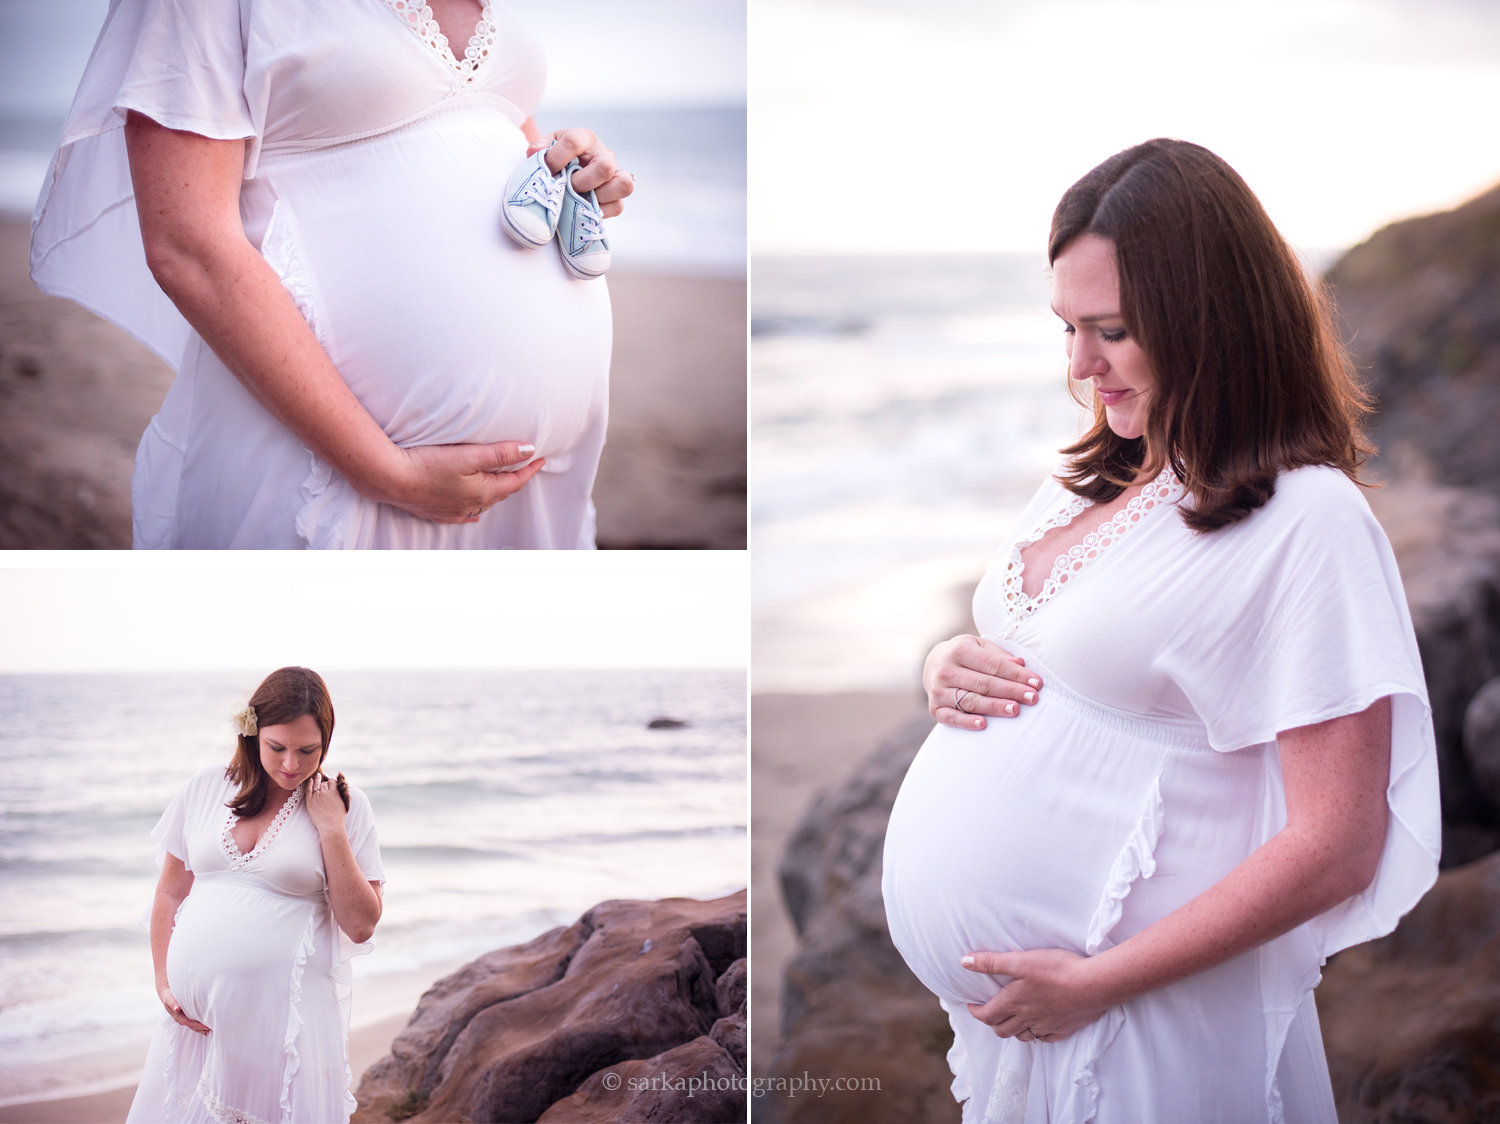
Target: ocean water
904 409
507 802
687 216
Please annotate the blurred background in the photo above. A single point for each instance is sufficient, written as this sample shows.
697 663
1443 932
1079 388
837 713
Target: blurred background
909 397
505 750
665 90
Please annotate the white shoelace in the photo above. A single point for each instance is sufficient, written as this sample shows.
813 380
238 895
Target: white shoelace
544 189
589 221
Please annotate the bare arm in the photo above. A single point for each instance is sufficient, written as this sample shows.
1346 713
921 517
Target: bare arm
187 195
356 902
174 885
1335 775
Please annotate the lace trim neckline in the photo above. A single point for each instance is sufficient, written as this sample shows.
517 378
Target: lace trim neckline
238 860
1165 489
418 16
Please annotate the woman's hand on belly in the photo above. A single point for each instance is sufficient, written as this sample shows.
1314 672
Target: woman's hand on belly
455 483
1048 998
969 677
174 1008
187 190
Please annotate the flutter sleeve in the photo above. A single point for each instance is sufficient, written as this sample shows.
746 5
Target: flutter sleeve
1307 621
360 827
170 832
201 797
181 63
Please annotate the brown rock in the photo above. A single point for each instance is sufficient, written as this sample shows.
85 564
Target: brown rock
1482 738
732 986
1411 1022
1447 543
729 1032
522 1028
850 1006
1420 303
410 1070
697 1081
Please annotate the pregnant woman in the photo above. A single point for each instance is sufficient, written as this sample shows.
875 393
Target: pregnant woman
270 883
363 357
1190 754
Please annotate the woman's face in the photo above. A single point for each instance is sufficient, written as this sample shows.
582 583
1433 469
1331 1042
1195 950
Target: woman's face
289 752
1086 295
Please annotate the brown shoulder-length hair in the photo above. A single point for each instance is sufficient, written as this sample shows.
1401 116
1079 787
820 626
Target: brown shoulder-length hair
1251 378
283 696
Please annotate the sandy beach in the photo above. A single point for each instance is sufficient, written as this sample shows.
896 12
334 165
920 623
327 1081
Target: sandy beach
76 394
367 1045
799 745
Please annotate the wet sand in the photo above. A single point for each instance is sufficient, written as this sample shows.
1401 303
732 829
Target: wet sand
367 1045
76 394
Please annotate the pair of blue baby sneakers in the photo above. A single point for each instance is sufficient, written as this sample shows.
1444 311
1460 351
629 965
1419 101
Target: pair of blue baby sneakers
539 204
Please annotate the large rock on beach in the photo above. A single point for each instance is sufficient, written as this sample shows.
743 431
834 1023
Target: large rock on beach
632 989
1447 543
1482 739
695 1081
1420 309
1411 1022
1420 304
850 1006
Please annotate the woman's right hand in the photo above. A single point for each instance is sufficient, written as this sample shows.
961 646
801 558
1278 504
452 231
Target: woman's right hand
174 1009
187 195
453 483
980 675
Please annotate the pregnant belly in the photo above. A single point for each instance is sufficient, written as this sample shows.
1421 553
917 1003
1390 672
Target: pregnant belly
444 328
233 949
1006 839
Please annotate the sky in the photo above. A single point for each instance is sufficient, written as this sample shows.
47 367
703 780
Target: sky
74 611
955 125
644 54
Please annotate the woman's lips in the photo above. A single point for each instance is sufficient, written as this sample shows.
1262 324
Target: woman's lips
1110 397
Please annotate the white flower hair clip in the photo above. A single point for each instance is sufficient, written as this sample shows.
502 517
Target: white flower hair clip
242 718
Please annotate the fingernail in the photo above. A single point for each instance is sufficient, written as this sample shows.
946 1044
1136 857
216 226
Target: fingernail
967 962
527 450
1035 682
1010 708
1029 696
979 723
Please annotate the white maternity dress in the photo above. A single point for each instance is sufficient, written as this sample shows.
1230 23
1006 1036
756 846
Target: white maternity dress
1148 770
374 171
257 957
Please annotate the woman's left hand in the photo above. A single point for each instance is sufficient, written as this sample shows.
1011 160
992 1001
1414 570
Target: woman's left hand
597 172
1049 996
324 805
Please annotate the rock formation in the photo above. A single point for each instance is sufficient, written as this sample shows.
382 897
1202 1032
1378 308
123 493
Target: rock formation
1482 739
612 1018
850 1005
1411 1022
1420 309
1420 302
